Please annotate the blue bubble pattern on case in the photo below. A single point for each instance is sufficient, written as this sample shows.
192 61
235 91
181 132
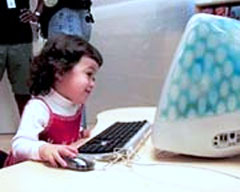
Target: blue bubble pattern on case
204 78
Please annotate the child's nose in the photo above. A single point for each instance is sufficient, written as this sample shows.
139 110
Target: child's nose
92 83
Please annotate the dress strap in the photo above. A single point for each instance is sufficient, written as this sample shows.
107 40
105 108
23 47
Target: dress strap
41 99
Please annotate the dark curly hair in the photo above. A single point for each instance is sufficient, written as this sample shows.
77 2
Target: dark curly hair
58 56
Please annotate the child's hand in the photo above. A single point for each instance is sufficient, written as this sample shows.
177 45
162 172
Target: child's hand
85 133
82 136
53 154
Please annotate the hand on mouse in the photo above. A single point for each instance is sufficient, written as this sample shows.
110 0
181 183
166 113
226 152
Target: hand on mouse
53 154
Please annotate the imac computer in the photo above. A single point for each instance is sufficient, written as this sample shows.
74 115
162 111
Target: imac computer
199 108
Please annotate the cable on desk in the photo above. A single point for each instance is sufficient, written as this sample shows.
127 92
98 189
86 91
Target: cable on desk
130 162
124 156
188 166
119 155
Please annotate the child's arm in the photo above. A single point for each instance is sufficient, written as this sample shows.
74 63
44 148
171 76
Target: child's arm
25 144
83 135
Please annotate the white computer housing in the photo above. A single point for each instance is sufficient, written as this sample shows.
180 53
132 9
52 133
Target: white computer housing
199 108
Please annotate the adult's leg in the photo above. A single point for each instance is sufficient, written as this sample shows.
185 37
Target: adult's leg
21 101
85 32
3 59
84 118
18 72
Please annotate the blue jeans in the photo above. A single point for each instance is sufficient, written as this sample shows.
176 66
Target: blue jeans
69 21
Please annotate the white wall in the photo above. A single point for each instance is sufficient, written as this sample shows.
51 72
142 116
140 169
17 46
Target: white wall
9 117
138 39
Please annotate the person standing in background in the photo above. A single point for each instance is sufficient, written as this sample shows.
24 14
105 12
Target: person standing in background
68 17
71 17
16 46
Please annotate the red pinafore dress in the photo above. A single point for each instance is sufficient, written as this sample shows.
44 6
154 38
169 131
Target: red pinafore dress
59 130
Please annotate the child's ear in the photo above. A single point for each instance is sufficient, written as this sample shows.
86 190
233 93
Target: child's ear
58 77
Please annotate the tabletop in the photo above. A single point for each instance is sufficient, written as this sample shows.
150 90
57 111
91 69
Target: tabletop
148 170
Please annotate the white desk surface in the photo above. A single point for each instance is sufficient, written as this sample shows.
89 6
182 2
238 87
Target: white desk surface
145 172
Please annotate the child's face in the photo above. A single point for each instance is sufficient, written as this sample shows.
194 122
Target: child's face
77 84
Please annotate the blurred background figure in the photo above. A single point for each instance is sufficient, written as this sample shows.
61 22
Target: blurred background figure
16 46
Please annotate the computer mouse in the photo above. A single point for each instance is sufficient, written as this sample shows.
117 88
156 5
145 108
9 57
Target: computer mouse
80 163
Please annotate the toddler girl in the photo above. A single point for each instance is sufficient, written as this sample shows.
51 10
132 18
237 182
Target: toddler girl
62 78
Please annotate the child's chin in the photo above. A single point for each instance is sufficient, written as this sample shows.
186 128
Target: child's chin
79 102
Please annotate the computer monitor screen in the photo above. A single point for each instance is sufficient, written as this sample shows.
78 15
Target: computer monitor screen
198 112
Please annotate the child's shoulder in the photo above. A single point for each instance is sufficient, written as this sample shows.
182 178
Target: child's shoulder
37 104
36 111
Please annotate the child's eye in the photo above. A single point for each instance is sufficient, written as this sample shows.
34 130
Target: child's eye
91 75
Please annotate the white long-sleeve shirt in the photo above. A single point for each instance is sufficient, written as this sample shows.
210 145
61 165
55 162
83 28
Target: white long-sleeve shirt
25 143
